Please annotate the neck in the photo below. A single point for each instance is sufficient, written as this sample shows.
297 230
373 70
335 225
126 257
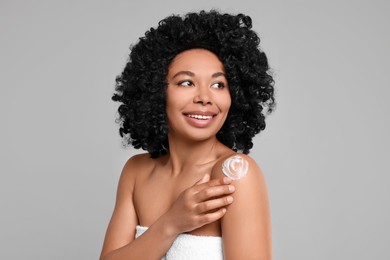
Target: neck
184 154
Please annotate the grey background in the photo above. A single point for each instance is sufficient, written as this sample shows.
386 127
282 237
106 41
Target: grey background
325 152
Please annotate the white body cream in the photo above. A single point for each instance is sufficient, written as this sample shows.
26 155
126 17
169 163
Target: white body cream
235 167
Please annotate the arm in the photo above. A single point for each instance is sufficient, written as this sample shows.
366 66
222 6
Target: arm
246 229
119 242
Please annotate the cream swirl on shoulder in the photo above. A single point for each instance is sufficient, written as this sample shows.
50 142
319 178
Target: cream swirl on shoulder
235 167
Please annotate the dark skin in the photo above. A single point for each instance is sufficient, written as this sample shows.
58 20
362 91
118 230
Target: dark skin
185 191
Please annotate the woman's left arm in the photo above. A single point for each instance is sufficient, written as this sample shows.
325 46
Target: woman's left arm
246 227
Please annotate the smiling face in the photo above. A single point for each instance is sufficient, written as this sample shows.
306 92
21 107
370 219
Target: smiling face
198 98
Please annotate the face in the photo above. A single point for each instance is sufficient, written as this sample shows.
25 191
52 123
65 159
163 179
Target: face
198 98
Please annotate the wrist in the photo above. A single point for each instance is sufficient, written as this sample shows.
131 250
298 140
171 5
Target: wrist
167 228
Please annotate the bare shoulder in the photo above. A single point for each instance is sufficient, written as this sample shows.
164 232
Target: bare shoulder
246 224
136 164
247 177
138 161
239 167
251 194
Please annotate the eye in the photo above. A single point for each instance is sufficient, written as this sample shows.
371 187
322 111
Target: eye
218 85
185 83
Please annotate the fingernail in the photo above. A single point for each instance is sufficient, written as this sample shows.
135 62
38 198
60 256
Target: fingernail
229 199
223 210
231 188
226 180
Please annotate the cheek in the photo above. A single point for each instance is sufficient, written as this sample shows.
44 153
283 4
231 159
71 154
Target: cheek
223 100
227 101
175 104
169 107
171 101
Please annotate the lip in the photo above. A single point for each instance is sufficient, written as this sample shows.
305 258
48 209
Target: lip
202 113
200 122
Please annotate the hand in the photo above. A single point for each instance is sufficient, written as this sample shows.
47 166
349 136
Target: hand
201 204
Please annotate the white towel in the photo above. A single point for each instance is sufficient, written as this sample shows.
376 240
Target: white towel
191 247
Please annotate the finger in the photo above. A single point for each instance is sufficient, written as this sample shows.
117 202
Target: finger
214 191
213 216
220 181
214 204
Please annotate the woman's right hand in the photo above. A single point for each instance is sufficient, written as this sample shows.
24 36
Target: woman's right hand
202 203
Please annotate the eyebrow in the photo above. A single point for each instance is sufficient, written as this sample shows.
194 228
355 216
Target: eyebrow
218 74
184 72
191 74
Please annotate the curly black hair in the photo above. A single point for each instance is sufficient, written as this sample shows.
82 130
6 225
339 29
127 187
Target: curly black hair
141 88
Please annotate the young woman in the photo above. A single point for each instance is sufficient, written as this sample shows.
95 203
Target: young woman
193 94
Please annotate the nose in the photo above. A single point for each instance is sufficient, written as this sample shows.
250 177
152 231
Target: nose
202 96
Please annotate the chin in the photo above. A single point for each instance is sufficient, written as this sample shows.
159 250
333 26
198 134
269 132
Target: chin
202 135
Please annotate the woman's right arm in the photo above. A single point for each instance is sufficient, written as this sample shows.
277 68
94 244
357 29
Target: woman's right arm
119 242
191 210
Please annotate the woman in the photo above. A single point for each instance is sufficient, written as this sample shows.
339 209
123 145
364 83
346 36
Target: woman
193 93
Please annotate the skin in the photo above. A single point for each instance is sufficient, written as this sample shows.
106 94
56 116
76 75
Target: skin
185 191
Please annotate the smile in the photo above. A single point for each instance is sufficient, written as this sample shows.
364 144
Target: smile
200 117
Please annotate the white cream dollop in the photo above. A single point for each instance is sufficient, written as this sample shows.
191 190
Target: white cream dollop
235 167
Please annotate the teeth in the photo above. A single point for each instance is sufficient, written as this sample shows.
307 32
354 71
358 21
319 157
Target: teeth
200 117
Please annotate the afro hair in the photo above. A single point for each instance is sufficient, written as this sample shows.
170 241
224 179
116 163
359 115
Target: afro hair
141 87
